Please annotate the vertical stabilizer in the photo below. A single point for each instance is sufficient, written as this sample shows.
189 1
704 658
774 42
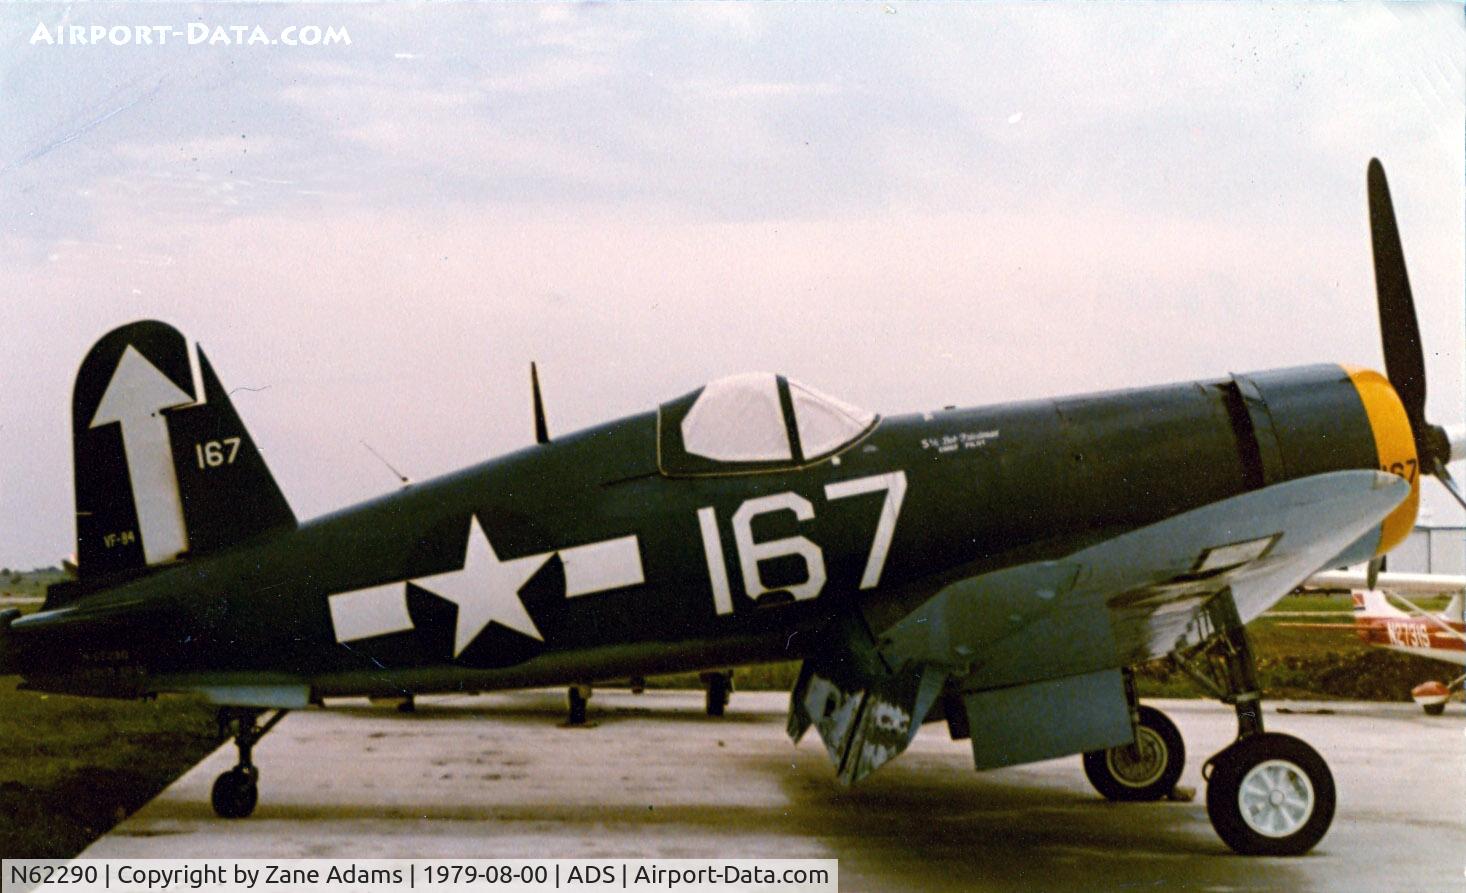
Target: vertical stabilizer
161 470
1374 603
228 492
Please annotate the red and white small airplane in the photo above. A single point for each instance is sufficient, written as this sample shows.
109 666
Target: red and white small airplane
1434 635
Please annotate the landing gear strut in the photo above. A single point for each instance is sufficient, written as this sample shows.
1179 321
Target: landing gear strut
236 792
577 699
1267 794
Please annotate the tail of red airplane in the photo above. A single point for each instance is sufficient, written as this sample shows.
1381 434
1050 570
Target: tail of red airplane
1373 603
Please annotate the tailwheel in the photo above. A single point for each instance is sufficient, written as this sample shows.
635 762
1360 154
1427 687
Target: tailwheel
1270 795
1145 770
235 794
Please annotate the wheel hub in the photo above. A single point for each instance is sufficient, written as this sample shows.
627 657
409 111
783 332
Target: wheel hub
1139 764
1276 798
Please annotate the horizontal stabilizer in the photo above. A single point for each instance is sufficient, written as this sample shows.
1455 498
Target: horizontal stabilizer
102 611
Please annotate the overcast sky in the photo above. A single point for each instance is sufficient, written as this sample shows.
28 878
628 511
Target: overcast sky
905 206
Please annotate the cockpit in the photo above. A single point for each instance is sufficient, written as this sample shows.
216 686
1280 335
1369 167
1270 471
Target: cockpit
757 421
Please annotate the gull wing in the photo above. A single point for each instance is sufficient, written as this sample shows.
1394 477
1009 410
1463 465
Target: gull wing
1139 595
1032 654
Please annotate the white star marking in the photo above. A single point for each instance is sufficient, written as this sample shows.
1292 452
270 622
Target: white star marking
486 590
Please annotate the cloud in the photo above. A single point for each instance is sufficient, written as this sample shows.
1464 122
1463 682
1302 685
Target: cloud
731 17
764 89
546 76
645 197
211 149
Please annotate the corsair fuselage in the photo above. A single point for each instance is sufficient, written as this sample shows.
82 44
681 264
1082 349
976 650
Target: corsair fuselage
595 563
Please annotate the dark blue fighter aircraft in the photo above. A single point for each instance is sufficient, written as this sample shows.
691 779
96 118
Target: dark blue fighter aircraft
999 568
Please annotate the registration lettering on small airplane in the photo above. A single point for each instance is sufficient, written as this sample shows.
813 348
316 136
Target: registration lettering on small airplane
1408 635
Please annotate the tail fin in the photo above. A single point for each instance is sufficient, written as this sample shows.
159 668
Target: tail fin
1453 609
1373 603
160 473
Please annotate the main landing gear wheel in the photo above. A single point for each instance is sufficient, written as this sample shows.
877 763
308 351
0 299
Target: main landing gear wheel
1266 794
1143 771
1432 696
1270 795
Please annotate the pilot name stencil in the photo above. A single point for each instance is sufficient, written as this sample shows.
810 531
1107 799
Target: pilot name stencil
964 440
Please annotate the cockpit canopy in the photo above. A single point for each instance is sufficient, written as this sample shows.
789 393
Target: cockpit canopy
754 422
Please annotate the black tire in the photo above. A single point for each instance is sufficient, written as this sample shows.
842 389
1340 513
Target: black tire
1288 787
235 794
1434 709
578 704
1118 775
718 691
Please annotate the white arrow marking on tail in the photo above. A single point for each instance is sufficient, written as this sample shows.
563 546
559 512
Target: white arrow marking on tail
135 398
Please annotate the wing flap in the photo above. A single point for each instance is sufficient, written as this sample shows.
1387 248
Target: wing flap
865 713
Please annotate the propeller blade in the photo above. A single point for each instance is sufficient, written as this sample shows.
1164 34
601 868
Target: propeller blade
1399 330
1444 476
1456 438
